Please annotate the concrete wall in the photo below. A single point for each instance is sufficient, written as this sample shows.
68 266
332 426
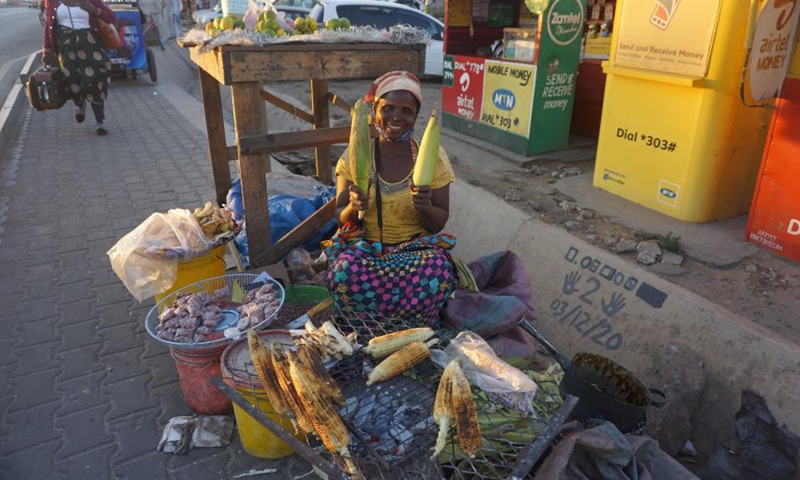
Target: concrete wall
591 300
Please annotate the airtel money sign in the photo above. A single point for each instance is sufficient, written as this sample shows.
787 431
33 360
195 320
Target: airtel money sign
565 21
772 47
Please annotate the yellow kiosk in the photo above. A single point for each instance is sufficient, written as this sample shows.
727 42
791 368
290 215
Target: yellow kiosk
675 134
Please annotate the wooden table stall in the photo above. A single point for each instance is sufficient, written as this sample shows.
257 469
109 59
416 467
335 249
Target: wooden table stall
245 69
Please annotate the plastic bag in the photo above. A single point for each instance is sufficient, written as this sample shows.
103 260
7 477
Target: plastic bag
253 10
146 259
499 380
285 213
250 17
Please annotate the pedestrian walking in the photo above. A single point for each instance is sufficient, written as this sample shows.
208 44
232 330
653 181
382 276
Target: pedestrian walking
70 34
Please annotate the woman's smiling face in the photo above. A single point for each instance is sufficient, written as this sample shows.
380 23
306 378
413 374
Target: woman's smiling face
396 113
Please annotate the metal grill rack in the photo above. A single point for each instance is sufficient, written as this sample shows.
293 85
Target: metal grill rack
392 427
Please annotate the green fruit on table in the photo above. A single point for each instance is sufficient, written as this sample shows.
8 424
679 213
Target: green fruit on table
272 24
280 32
271 15
299 23
270 32
239 24
332 24
226 23
344 23
216 22
311 23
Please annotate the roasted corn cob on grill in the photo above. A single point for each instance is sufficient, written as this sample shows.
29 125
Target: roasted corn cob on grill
464 412
454 405
281 365
400 361
328 425
443 408
386 345
262 362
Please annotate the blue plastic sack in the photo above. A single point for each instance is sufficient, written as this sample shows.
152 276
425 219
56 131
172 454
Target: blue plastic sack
285 213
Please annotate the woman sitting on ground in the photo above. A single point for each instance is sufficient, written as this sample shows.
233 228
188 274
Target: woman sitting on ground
394 262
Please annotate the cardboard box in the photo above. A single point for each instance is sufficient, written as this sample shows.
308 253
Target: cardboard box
276 271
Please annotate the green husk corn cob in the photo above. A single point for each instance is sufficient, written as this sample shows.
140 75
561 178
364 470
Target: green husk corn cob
360 155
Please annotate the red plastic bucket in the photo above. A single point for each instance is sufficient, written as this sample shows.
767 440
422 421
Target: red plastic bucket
195 369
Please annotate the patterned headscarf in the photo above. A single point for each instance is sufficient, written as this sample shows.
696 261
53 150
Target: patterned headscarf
393 81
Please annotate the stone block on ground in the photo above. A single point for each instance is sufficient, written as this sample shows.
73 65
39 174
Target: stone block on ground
679 373
647 253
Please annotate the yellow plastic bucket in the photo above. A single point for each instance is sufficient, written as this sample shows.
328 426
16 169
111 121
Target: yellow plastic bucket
238 373
210 265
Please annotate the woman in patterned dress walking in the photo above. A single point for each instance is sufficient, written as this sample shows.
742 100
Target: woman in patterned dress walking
70 34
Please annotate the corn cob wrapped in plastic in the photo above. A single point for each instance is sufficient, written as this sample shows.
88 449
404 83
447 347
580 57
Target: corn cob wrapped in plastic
385 345
360 154
400 361
428 155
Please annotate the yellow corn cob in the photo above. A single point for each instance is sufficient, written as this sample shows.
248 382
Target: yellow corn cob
281 365
326 420
310 356
387 344
428 155
400 361
360 154
466 417
443 407
262 361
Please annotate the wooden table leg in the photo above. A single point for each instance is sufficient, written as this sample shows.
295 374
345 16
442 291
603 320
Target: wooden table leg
215 128
250 118
319 106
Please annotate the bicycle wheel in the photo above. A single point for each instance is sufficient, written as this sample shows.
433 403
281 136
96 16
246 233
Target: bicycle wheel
151 66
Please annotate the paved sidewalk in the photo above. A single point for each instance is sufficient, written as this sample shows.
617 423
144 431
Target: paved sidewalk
84 390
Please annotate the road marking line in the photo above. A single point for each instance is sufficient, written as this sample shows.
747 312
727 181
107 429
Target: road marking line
5 111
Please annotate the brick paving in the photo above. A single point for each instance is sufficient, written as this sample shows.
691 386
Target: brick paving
84 390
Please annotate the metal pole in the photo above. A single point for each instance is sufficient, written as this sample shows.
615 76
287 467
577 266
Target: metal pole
531 454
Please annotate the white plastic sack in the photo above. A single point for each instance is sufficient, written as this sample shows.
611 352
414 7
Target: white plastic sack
484 369
250 17
146 259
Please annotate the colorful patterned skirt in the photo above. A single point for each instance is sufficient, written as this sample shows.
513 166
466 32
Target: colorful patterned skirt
85 64
411 281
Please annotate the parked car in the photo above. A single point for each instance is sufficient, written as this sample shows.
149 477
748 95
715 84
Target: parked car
292 11
382 14
417 4
203 16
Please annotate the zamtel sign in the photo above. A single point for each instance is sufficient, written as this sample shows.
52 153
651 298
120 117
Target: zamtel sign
565 21
504 99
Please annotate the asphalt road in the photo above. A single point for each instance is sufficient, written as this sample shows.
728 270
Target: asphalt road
20 35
